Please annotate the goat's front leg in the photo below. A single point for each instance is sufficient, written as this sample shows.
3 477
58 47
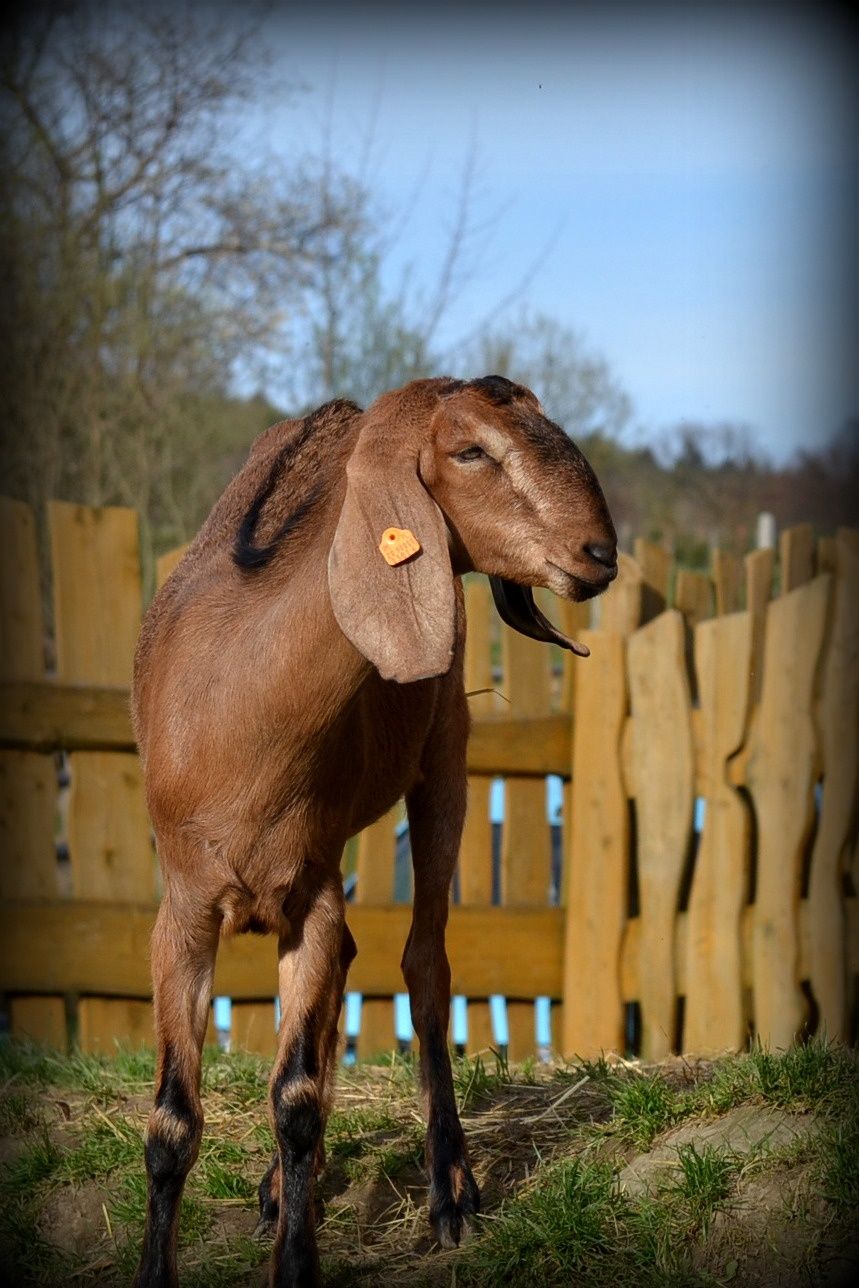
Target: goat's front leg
311 955
436 809
184 944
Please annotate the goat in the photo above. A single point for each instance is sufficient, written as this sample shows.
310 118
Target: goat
291 684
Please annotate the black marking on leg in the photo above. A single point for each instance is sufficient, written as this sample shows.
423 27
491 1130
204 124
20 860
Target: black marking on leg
269 1203
169 1158
298 1124
453 1194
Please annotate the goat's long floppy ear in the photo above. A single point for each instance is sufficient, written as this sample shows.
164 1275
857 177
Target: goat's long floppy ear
401 616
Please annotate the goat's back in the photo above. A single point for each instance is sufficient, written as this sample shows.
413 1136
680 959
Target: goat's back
290 464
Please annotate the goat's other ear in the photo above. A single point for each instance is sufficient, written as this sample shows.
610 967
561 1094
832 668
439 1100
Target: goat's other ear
400 616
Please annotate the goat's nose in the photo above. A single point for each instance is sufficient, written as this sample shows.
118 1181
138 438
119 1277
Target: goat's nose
603 554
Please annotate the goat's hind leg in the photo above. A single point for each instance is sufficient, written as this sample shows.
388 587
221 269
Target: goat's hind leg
270 1185
183 962
311 973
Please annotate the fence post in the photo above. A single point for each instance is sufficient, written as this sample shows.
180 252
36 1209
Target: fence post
838 721
597 855
715 1015
663 773
28 780
780 773
97 607
475 855
526 837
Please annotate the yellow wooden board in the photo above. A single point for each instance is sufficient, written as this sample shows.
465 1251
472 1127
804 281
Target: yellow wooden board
728 580
41 1019
693 596
375 885
597 855
252 1027
28 813
525 838
655 564
28 782
759 580
838 721
796 556
97 609
99 1031
715 1017
781 772
21 629
97 594
166 563
619 609
664 793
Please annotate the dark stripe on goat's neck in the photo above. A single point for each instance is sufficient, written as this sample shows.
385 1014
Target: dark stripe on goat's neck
246 553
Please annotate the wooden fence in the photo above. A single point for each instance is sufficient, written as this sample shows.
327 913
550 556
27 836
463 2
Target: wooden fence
708 846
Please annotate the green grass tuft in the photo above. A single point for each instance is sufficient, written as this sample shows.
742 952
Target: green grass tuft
706 1181
644 1107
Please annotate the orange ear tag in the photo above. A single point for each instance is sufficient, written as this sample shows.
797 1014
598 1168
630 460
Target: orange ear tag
398 545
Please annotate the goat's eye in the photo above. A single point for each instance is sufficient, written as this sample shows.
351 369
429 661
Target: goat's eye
473 453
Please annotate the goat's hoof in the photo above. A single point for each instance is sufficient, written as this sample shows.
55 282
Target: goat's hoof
268 1195
453 1208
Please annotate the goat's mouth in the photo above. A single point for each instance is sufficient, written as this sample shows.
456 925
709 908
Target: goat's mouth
570 585
516 607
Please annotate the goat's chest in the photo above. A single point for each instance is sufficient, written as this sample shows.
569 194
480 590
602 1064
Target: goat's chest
382 744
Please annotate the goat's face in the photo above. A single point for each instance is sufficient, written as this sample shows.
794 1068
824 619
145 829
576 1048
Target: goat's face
481 479
520 500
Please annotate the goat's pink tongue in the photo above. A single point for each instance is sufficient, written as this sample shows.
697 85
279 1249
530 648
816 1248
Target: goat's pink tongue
516 607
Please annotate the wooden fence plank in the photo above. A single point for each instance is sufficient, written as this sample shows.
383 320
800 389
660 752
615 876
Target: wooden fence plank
80 717
693 595
77 717
796 556
165 564
102 948
664 783
619 609
728 580
597 856
97 595
838 723
573 620
97 607
655 564
525 838
715 1015
375 885
252 1027
21 628
28 806
826 555
475 853
28 782
97 947
781 771
759 580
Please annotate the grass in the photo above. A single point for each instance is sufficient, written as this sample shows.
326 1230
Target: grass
548 1144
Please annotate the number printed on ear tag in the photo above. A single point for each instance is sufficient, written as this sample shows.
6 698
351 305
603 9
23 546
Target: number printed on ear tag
398 545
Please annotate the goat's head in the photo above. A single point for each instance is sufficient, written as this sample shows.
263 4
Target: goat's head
484 481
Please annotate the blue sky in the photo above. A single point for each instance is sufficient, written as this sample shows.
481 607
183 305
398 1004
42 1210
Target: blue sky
675 181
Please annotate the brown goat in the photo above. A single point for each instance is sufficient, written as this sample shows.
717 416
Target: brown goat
291 684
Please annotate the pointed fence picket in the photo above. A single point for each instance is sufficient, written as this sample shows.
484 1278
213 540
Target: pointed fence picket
707 839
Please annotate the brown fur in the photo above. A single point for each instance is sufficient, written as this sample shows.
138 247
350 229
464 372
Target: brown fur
280 708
